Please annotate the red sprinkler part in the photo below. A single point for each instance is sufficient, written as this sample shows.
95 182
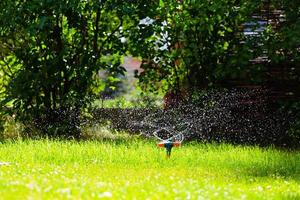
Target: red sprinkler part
174 144
169 145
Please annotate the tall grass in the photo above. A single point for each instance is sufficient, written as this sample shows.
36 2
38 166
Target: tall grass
135 168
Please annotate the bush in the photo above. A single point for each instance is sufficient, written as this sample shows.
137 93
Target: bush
294 129
10 128
62 123
234 116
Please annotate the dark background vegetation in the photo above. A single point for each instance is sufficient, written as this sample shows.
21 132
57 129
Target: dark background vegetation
236 62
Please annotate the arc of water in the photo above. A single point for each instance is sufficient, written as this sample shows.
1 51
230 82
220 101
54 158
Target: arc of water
178 136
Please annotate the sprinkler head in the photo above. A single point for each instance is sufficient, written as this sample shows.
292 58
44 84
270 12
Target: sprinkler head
169 145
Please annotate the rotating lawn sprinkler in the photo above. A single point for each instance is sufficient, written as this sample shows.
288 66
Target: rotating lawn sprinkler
168 135
174 141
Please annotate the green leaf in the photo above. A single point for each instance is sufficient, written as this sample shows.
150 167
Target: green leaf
226 45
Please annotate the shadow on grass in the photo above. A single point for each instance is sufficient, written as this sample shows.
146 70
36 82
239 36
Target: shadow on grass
288 170
250 161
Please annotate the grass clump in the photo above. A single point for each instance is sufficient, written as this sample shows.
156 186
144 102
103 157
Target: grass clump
135 168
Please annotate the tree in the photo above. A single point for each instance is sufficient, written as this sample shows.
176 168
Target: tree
196 44
52 51
283 43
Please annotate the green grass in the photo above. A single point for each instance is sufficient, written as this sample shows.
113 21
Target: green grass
136 169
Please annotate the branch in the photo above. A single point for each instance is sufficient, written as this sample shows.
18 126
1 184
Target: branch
109 37
96 32
8 67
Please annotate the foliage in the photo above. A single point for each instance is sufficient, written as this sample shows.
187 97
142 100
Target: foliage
293 108
196 44
133 99
12 129
283 43
283 47
52 50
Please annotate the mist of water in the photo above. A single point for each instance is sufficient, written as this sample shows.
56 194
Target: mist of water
235 116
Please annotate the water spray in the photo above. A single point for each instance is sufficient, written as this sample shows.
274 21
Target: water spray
168 136
168 144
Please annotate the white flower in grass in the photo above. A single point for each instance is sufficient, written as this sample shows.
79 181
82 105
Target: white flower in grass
66 191
105 195
4 163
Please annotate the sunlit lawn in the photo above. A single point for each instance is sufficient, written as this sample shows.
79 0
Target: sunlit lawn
136 169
